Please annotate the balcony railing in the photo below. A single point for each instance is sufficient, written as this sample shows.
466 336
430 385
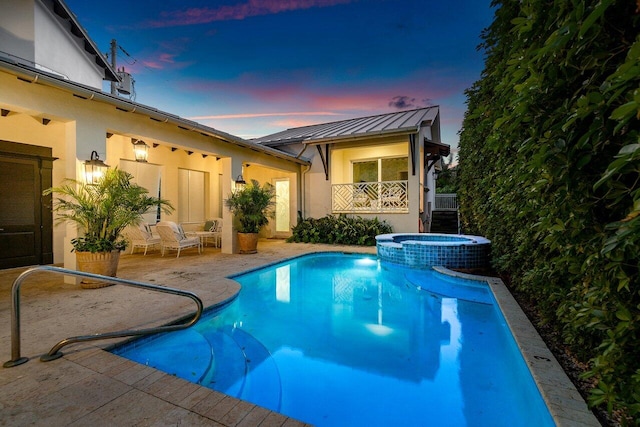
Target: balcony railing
446 202
370 197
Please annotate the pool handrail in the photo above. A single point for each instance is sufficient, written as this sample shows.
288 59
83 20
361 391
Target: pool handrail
55 353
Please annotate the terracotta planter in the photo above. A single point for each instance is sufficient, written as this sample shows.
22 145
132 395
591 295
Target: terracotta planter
103 263
248 243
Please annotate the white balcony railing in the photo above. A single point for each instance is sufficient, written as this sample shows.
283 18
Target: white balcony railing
370 197
446 202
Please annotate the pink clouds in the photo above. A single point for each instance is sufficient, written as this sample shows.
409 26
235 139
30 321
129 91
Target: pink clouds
204 15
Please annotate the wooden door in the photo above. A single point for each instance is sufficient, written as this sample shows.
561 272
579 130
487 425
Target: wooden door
26 230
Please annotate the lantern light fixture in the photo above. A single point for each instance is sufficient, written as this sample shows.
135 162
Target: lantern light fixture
240 182
140 150
94 168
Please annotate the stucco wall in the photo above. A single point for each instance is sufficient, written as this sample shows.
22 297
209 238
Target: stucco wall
79 126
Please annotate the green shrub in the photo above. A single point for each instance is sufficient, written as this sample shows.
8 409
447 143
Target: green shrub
339 230
549 157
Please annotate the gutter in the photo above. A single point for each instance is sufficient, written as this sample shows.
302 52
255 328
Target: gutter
89 93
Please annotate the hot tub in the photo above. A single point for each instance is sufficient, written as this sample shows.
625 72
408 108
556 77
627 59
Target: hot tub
426 250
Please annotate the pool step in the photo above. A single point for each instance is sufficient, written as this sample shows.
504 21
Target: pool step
446 287
241 365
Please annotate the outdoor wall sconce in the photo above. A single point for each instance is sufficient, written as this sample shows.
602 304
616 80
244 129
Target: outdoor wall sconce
94 168
140 151
240 182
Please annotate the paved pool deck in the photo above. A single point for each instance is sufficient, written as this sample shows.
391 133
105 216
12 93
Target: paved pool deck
92 387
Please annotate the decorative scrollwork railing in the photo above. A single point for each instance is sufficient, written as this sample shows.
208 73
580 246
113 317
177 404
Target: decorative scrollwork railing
370 197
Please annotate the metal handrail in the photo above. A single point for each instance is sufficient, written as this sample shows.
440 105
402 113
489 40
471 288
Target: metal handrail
54 353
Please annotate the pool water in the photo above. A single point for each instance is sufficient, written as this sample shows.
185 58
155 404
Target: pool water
345 340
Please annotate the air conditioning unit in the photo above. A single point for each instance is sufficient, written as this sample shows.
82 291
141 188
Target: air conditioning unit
126 83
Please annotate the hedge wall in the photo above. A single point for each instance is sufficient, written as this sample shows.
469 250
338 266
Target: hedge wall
550 170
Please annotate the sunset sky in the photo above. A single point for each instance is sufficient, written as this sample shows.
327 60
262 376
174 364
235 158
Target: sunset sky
255 67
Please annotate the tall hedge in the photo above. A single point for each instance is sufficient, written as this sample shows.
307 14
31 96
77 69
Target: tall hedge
550 172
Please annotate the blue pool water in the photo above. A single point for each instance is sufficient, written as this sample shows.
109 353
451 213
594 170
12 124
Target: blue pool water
345 340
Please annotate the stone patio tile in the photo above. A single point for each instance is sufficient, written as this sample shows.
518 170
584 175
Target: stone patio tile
118 369
163 385
196 398
41 380
183 417
69 404
208 401
134 374
254 418
132 408
273 420
222 408
101 361
78 354
145 382
293 423
178 395
569 418
237 413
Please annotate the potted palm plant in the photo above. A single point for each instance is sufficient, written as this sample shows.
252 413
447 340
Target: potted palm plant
102 211
252 206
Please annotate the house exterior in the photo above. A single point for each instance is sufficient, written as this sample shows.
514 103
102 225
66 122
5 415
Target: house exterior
55 118
379 166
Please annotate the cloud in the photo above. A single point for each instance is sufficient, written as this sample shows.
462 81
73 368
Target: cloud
205 15
402 102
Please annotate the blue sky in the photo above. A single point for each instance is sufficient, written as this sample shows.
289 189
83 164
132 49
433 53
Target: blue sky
255 67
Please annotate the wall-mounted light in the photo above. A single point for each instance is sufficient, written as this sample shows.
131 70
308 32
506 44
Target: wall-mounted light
240 182
140 151
94 168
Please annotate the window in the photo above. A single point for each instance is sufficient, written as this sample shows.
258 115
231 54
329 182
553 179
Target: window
387 169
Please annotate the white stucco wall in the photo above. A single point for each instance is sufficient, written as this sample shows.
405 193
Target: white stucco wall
60 51
79 126
317 190
17 28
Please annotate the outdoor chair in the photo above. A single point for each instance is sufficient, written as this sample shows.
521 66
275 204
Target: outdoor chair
173 237
140 236
212 230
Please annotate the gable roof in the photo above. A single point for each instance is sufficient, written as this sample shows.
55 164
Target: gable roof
64 14
402 122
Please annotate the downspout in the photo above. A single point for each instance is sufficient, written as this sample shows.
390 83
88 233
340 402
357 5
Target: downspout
304 173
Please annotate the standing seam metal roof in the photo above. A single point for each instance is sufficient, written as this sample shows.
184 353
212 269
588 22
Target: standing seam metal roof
396 122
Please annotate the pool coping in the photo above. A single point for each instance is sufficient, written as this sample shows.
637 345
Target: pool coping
566 405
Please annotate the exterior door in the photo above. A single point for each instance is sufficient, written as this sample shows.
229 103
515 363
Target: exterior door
283 224
26 229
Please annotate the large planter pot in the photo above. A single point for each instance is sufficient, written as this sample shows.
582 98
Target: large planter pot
103 263
248 243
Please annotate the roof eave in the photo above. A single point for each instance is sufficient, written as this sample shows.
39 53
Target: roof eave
87 92
110 72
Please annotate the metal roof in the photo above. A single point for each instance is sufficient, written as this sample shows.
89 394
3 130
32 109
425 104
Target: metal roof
402 122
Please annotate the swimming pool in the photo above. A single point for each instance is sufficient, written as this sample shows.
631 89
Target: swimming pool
337 339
